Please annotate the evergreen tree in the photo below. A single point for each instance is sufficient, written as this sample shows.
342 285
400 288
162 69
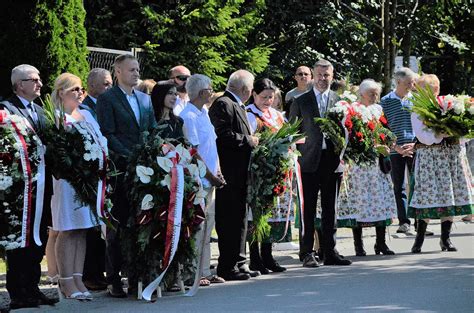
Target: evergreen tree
47 34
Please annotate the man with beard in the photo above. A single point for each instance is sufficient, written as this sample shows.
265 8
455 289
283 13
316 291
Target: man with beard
318 164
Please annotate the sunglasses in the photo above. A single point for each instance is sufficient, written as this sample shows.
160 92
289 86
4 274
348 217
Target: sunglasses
78 89
303 74
34 80
182 78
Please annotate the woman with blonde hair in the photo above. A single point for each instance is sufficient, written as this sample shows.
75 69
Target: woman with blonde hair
72 219
442 180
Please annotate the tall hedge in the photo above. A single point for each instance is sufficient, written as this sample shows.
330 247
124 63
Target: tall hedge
48 34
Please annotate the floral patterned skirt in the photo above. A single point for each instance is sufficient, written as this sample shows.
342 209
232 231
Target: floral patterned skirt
442 183
366 197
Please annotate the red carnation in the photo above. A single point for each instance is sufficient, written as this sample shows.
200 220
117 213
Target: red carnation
382 137
348 124
371 125
360 136
383 120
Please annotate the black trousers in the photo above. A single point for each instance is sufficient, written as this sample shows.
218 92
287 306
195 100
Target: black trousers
231 224
94 264
325 182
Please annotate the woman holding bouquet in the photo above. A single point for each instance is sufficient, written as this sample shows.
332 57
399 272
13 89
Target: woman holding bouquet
261 116
72 218
366 193
163 99
442 179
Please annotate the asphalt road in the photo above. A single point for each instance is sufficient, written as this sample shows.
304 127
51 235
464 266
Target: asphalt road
432 281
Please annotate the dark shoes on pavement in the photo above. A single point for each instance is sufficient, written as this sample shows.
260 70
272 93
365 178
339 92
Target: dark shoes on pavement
246 270
116 291
233 275
311 260
335 259
95 285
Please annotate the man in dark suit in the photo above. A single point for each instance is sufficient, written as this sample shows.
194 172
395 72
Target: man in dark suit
123 114
318 164
99 81
234 145
24 264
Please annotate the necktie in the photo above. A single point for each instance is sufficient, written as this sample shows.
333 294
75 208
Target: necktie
31 109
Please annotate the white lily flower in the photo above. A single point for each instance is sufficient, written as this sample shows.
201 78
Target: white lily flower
167 148
147 202
144 173
202 168
193 170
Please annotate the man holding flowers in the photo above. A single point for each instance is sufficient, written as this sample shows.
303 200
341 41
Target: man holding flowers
318 165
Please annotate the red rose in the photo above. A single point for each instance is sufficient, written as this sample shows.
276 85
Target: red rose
382 137
360 136
383 120
371 125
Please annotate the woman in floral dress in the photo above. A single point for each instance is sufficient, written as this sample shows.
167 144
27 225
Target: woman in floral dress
366 197
442 180
262 116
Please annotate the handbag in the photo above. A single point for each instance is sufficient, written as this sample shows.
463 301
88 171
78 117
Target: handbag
385 164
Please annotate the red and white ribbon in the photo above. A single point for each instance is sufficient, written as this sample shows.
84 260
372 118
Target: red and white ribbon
173 229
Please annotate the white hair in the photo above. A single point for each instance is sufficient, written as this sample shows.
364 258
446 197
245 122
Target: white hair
369 84
404 73
21 72
195 84
95 74
240 79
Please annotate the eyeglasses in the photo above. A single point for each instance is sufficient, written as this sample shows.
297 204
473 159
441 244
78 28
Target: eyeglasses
78 89
303 74
209 89
34 80
182 78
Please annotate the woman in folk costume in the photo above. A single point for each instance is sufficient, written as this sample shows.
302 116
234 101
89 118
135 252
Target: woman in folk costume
262 116
442 180
366 197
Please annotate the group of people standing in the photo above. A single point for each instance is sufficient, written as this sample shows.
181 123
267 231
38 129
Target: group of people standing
224 130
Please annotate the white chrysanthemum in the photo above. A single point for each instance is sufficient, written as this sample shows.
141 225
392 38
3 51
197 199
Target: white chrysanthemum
349 96
458 107
471 110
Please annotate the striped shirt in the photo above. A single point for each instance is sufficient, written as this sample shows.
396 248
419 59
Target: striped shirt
398 117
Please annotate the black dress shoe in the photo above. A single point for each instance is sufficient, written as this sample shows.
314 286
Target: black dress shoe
116 291
336 260
311 260
258 266
234 275
23 303
44 300
246 270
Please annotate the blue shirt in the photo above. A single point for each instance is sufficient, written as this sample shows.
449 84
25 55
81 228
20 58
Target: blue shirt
397 112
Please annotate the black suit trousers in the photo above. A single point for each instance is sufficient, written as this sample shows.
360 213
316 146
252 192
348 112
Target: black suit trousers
325 182
231 223
94 264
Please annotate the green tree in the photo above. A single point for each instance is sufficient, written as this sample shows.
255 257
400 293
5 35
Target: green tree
48 34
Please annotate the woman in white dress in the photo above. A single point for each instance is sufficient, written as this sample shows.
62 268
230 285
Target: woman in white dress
366 194
261 115
71 219
442 180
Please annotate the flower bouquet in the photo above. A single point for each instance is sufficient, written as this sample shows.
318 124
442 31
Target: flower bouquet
21 181
167 200
271 166
77 154
357 131
449 115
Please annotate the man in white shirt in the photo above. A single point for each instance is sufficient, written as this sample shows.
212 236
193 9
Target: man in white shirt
200 132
